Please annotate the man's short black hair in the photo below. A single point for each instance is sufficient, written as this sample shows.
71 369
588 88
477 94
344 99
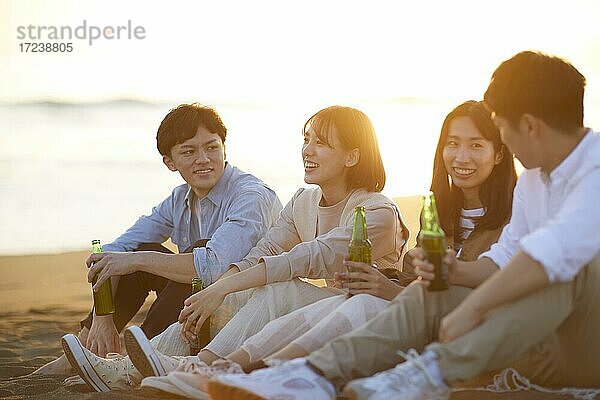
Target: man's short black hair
182 123
544 86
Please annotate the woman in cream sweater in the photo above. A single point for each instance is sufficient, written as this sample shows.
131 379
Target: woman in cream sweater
473 179
309 240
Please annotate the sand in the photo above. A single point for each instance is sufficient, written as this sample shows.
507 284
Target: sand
36 309
42 297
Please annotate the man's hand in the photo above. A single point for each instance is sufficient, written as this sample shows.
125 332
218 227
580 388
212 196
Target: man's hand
105 265
521 277
365 278
103 337
458 322
425 270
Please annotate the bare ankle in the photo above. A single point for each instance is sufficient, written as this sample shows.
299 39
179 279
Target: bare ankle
60 366
255 365
208 356
83 334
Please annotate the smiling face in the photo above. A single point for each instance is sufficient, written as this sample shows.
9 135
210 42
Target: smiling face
327 164
200 160
469 158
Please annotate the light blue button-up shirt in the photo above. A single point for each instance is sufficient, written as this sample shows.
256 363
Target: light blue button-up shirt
234 215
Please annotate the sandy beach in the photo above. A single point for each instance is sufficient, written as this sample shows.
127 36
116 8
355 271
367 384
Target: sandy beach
42 297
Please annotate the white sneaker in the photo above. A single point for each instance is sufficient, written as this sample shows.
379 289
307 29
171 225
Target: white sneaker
409 380
190 379
101 374
163 383
292 380
147 360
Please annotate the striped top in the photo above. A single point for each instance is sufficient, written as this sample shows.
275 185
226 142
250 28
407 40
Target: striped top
467 224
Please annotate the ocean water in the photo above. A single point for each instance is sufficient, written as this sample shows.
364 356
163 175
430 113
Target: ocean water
70 173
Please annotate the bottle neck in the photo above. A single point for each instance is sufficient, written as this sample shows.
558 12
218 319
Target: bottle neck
197 285
430 221
359 231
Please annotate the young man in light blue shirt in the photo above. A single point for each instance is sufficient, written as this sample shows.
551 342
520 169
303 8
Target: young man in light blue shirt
214 219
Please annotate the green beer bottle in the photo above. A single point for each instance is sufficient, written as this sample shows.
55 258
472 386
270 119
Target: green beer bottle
204 334
103 300
360 248
432 240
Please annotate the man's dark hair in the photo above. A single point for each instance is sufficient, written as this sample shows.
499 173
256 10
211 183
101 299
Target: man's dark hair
544 86
182 122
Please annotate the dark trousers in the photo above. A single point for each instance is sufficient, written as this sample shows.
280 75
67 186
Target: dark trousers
133 289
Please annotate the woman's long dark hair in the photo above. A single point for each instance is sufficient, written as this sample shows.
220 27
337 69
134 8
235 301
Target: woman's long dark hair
495 193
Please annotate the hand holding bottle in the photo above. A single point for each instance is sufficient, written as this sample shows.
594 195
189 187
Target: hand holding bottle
425 270
365 278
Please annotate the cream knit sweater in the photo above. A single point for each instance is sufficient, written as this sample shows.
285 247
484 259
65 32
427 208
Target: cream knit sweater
291 248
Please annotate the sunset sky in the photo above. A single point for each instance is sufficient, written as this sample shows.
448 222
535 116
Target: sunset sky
266 66
291 52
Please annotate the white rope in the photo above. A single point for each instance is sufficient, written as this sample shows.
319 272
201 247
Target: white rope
509 380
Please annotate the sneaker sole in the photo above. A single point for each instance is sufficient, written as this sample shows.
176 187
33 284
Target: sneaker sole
185 389
220 391
79 361
350 394
156 382
141 353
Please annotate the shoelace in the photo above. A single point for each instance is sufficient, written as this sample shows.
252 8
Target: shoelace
416 362
510 380
274 362
122 362
191 366
226 367
217 367
267 373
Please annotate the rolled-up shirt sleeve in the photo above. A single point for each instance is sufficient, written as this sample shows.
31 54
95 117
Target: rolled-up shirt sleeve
570 240
248 219
154 228
321 257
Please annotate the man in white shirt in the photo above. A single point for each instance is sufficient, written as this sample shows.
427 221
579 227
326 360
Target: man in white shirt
537 288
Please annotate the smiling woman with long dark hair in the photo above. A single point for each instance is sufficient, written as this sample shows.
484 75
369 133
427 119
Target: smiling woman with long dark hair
470 143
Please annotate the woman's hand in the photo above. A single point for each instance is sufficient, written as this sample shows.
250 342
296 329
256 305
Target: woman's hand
425 270
188 337
365 278
198 307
